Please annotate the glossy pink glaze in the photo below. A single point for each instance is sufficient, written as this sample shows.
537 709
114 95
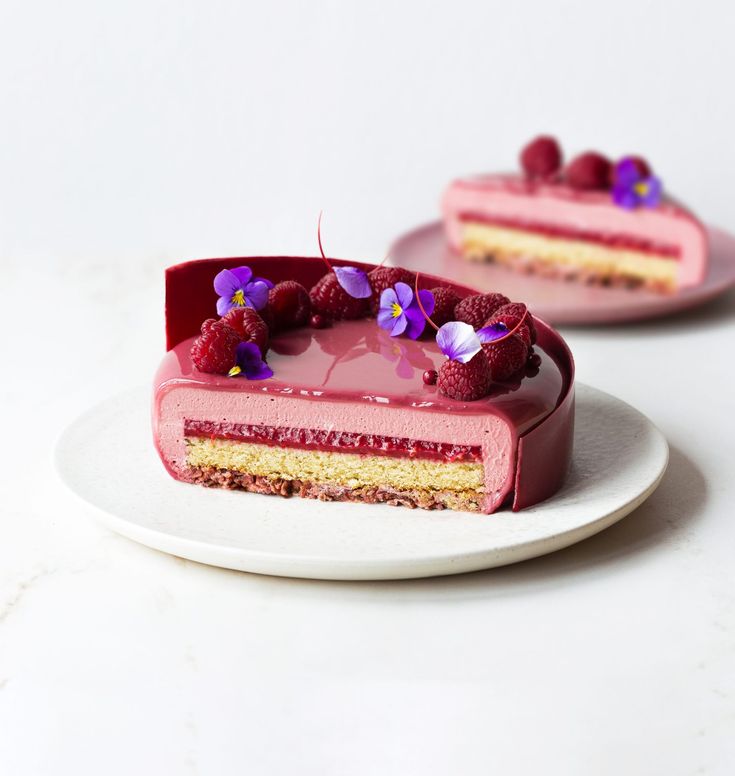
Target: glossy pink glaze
505 197
355 378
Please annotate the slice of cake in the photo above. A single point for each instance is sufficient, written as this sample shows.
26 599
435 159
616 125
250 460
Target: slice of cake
312 396
592 221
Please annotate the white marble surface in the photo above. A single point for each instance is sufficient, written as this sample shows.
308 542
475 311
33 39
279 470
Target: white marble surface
616 652
151 131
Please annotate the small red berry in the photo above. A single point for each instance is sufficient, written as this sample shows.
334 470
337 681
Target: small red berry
430 377
643 167
542 157
320 322
506 357
533 365
290 305
589 171
214 349
330 299
477 308
386 277
249 325
465 382
445 300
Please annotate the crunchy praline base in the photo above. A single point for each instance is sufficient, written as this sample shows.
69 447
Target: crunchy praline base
529 265
469 501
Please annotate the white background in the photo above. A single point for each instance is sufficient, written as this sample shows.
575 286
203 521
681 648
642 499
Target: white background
136 134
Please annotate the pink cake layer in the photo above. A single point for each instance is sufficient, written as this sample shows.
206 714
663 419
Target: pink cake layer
668 230
355 378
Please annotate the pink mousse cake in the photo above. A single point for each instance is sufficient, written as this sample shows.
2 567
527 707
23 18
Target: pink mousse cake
342 406
590 221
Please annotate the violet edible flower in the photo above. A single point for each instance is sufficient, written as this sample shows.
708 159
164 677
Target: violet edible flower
249 362
458 341
632 188
400 311
238 288
494 331
354 281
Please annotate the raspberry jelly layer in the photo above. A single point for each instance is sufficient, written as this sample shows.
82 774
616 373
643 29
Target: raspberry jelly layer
616 240
328 440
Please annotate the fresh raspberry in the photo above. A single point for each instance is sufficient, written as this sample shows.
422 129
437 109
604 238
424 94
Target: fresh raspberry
476 309
266 313
541 158
386 277
510 315
319 322
589 171
510 323
330 299
214 350
249 325
430 377
445 300
465 382
533 365
643 167
289 302
506 357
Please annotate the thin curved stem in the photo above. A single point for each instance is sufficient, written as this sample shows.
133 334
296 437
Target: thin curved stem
319 240
421 307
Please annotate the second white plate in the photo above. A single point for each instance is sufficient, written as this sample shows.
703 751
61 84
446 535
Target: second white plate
106 457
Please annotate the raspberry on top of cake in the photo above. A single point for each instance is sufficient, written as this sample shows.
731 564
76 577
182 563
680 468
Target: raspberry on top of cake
346 381
591 220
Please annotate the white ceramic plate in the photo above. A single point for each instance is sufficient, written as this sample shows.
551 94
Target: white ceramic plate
107 459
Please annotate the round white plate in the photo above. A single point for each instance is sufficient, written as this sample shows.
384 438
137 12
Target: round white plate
107 459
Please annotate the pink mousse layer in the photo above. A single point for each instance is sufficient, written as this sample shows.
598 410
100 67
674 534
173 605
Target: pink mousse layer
669 229
354 378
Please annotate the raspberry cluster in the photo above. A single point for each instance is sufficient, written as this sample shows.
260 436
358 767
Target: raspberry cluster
291 305
542 159
214 350
498 361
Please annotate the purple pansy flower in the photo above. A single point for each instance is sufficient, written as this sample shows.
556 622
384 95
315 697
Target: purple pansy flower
458 341
249 361
494 331
238 288
354 281
632 188
400 311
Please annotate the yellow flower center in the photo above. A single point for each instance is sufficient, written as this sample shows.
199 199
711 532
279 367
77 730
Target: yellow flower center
235 371
238 298
395 310
641 188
